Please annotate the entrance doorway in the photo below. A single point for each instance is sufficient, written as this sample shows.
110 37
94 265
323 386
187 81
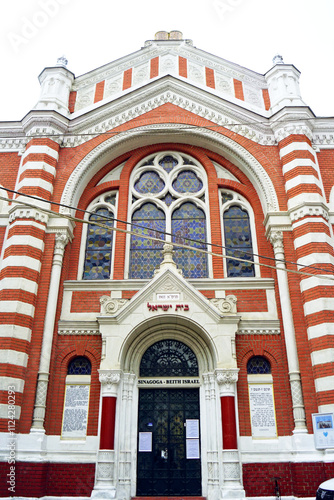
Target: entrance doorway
168 461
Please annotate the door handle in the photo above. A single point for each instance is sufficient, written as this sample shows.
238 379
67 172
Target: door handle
164 454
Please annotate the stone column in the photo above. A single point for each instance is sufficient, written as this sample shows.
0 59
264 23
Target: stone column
126 432
62 239
276 238
106 474
232 485
209 383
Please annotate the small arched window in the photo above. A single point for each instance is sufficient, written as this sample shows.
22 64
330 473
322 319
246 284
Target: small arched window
258 365
79 366
76 401
99 238
237 237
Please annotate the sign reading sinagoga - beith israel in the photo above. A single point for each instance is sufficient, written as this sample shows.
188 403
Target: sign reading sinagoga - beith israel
262 411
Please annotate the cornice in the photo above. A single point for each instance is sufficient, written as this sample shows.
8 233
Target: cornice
165 90
199 284
78 328
259 327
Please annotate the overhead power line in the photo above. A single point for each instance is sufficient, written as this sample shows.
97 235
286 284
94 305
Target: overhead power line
150 237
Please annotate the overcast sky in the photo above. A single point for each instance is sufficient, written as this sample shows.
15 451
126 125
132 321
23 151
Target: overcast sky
90 33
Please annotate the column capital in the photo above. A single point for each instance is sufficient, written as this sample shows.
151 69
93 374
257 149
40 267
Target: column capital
109 380
276 239
226 379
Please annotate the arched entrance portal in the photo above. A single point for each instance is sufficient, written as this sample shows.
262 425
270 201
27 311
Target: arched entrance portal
168 459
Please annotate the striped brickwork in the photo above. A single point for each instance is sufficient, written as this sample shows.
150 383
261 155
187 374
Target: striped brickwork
314 247
21 266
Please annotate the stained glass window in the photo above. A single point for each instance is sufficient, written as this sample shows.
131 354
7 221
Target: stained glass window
168 162
146 254
258 365
149 182
168 358
79 366
187 182
189 222
99 245
238 242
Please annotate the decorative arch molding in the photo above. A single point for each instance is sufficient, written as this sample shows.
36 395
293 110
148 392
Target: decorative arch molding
160 133
174 328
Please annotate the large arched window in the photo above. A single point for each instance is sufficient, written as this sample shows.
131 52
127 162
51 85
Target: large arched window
237 236
169 203
99 238
145 253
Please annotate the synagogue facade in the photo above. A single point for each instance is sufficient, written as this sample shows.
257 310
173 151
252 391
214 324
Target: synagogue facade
167 282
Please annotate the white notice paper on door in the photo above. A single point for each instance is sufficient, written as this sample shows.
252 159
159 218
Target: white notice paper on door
192 429
192 448
145 441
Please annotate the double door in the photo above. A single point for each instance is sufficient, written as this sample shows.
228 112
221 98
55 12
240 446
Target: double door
168 462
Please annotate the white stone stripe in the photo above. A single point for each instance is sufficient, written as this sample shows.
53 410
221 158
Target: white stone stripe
17 358
302 179
296 146
321 330
312 238
18 307
24 239
21 261
17 383
312 282
28 223
19 284
326 408
4 412
314 259
324 383
15 332
38 165
34 149
317 219
299 200
303 162
322 356
34 182
317 305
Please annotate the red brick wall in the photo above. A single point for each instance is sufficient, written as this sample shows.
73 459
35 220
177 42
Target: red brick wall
62 479
298 479
250 300
86 301
41 479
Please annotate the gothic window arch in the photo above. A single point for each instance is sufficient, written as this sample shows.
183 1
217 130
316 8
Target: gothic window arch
169 202
98 238
239 238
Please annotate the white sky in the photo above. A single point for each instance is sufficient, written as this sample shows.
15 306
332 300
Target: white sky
90 33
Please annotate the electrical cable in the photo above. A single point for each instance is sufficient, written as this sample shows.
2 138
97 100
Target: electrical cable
179 245
165 233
